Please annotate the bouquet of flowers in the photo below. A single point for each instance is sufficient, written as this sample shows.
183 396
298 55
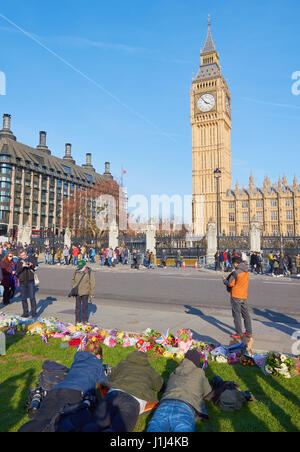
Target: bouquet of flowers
278 364
184 339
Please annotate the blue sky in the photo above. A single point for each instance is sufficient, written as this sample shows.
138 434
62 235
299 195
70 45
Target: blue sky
113 78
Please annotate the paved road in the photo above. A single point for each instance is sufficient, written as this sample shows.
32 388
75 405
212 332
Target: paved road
169 298
178 288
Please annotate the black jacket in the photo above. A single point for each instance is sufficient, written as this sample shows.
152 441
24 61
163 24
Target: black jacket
26 274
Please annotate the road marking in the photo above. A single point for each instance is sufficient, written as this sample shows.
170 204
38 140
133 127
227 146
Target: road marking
287 283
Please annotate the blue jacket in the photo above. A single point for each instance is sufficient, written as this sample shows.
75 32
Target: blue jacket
86 371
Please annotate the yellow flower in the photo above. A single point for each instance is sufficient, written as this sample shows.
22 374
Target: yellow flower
168 355
180 355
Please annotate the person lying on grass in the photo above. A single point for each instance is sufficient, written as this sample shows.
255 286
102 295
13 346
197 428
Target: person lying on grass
183 399
133 385
86 372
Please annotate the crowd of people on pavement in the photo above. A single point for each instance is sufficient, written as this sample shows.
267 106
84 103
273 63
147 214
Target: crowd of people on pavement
278 264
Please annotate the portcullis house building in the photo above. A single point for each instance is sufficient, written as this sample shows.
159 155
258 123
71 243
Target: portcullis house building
34 183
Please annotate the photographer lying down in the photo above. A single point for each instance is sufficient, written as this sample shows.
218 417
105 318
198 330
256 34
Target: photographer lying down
79 385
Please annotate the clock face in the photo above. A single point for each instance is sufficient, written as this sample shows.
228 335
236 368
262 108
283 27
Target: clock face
206 102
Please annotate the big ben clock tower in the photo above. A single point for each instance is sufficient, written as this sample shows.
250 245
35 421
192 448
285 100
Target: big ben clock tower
211 140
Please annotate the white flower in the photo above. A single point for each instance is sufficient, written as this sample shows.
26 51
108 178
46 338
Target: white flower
221 359
283 358
268 370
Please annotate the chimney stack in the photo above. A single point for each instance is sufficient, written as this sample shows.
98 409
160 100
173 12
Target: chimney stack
107 172
42 144
88 162
6 122
89 159
6 132
68 154
68 150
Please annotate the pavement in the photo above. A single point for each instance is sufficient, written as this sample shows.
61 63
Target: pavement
121 304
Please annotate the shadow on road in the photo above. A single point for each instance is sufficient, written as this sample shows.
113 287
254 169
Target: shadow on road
227 329
277 320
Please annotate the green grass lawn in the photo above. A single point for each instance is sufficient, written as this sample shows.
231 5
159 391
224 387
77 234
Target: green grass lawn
276 408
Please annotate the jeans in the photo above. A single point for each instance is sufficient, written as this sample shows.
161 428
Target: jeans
28 289
92 259
239 311
75 260
82 302
117 412
172 416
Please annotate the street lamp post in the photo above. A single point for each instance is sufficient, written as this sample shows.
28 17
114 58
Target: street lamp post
217 175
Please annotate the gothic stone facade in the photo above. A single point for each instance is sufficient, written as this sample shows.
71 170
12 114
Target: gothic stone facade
275 206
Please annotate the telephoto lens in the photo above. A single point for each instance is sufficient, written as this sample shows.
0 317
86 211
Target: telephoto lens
35 402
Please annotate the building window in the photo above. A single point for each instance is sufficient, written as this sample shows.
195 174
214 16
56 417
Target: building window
231 218
290 229
231 205
5 169
259 204
273 203
274 229
288 202
289 214
274 215
245 204
245 217
231 230
259 216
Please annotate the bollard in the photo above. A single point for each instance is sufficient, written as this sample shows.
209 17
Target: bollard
2 344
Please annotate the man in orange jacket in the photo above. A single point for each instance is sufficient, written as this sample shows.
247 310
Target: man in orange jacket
237 284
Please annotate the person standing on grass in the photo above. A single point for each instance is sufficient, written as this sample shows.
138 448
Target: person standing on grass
84 280
237 284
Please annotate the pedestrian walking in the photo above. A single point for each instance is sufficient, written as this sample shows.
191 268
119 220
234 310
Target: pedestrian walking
297 264
59 255
66 255
83 288
25 270
237 284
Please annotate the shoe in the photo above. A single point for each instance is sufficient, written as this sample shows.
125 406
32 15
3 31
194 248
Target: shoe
25 316
236 336
247 335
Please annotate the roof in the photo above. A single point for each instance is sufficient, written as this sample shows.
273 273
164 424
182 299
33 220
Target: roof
39 160
260 190
207 72
209 46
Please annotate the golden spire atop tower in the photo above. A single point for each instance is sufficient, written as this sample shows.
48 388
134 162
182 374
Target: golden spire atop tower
211 136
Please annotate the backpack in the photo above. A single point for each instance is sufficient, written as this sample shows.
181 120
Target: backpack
52 374
231 400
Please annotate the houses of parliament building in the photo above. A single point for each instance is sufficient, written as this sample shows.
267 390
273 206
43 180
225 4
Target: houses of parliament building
275 206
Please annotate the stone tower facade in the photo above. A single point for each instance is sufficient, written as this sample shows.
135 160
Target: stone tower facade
211 135
275 206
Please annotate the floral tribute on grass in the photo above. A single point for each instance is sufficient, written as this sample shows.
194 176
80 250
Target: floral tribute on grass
166 344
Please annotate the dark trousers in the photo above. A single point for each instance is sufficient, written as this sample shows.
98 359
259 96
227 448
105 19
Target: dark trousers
55 401
8 294
117 412
28 290
82 303
239 311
